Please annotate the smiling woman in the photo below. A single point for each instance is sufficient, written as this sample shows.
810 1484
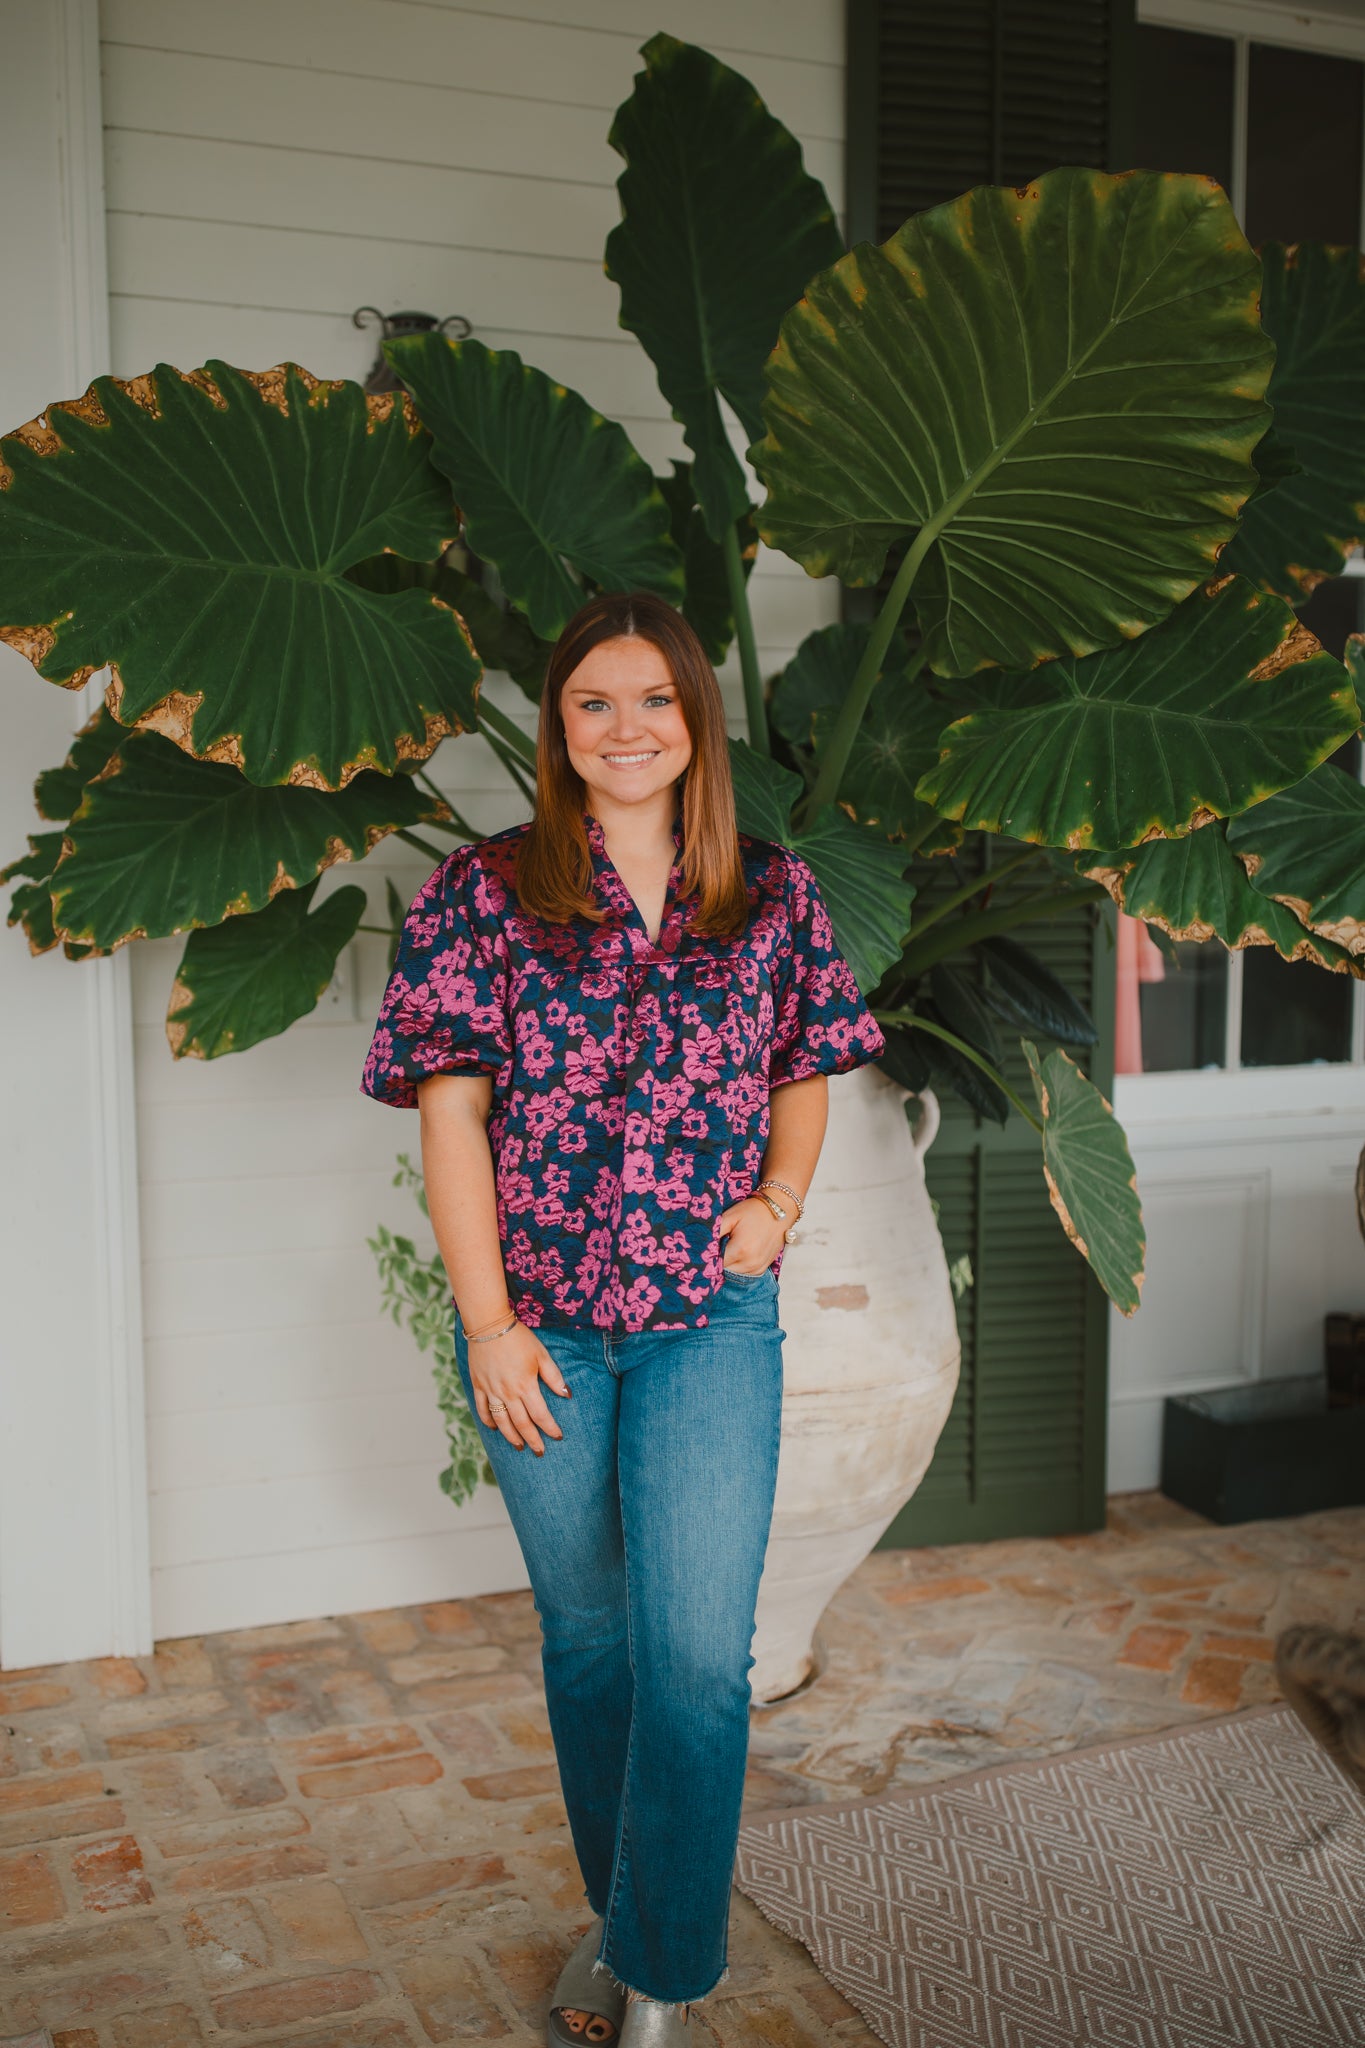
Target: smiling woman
617 1021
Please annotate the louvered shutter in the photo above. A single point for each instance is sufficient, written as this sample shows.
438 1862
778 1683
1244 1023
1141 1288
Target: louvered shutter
940 98
1023 1450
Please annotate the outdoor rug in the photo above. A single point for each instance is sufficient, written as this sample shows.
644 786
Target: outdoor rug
1203 1888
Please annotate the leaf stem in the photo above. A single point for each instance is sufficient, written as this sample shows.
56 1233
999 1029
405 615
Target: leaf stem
973 888
491 718
915 1022
837 748
505 755
460 824
412 839
986 924
748 646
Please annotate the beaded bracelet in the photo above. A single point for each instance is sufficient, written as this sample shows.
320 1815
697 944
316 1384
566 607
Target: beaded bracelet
778 1211
800 1205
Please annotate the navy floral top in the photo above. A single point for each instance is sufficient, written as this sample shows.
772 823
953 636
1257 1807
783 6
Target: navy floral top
630 1079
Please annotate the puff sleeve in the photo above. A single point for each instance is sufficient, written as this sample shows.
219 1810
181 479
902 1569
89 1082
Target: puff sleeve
822 1024
445 1008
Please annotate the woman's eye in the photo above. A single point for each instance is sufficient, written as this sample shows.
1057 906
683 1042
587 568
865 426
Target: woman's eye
600 703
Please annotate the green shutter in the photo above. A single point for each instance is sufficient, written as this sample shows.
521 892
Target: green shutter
944 95
1024 1448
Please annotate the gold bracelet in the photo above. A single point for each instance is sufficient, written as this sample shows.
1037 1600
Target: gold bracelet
800 1205
489 1335
500 1317
779 1212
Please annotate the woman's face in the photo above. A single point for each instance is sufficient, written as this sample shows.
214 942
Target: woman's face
623 722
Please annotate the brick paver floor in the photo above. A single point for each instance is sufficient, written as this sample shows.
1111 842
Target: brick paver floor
347 1833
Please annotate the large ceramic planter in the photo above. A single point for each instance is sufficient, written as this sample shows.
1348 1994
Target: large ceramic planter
870 1363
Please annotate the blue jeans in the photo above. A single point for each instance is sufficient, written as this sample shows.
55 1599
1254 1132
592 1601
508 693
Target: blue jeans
644 1530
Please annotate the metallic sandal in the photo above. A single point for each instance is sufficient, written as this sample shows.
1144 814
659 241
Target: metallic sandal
584 1988
651 2024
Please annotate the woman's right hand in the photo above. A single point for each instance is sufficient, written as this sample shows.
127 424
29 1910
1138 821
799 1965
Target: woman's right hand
510 1368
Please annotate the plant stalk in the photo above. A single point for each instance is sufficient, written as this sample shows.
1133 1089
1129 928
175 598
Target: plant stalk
413 839
748 647
505 755
837 748
915 1022
459 823
498 721
986 924
974 888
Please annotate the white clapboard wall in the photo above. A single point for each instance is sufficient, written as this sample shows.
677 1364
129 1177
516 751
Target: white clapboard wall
270 166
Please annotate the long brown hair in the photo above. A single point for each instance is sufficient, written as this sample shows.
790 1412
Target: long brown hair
554 865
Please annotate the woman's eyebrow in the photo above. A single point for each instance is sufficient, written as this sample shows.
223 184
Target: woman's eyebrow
588 690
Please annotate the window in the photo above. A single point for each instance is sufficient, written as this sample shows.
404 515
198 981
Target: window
1282 131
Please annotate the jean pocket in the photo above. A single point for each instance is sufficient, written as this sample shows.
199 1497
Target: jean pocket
746 1279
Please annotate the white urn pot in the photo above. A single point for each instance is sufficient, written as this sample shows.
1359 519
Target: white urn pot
870 1363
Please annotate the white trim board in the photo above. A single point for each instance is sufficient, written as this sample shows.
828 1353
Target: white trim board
1342 34
74 1566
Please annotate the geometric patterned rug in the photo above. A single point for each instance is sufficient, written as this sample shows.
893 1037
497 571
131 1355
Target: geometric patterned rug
1202 1888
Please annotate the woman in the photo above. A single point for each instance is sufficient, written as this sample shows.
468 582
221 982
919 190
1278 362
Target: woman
617 1022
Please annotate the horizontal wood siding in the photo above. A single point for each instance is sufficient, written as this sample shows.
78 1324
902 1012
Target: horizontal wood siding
269 168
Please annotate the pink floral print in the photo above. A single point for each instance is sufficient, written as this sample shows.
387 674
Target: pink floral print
630 1078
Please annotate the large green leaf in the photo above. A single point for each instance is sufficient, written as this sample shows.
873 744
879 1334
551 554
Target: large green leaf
502 637
1021 988
31 903
1230 699
193 530
1292 536
721 228
1193 888
254 976
163 843
765 792
959 1003
707 604
860 875
1055 391
896 743
546 485
1090 1177
1305 849
58 791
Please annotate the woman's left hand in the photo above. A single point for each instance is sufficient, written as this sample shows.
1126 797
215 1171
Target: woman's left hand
756 1237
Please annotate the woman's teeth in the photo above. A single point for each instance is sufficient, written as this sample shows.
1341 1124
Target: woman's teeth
627 760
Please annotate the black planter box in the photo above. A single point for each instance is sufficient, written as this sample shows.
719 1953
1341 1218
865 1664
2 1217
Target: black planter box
1247 1453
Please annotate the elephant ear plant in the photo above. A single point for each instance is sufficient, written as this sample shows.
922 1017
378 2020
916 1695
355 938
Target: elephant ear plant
1037 418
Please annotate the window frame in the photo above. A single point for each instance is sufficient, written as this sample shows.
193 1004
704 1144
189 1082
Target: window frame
1244 22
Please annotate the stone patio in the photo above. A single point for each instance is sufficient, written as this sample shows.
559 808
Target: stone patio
347 1833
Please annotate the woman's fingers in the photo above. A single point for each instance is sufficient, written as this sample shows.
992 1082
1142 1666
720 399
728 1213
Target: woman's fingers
523 1422
534 1402
550 1373
498 1418
501 1420
521 1412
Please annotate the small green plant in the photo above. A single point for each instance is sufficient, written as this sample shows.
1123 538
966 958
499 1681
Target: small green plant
417 1292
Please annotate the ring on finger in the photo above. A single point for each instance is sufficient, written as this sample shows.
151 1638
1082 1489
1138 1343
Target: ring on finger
497 1407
